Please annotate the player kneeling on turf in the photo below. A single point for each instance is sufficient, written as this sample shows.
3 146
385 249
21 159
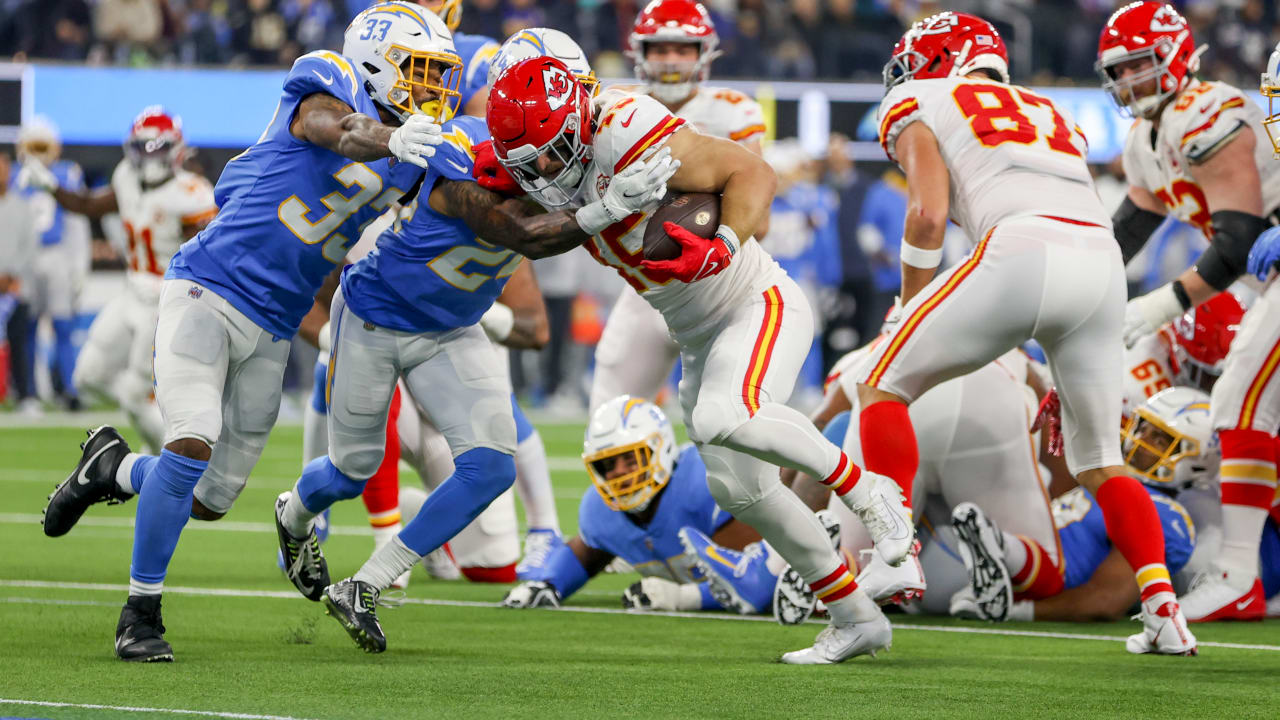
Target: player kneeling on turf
652 508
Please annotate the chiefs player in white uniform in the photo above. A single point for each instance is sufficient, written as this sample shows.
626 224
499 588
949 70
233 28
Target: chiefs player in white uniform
1196 151
742 325
161 206
672 44
1009 167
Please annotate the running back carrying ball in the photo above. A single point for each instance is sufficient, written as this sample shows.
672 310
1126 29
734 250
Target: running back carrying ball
698 213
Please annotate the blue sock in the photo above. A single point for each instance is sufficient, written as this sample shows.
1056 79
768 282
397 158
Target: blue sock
479 476
322 484
65 352
164 505
141 468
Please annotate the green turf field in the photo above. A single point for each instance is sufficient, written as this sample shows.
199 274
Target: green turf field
248 646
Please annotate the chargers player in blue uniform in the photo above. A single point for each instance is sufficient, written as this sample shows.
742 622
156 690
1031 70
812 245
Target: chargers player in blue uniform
1164 449
651 507
63 258
410 308
235 294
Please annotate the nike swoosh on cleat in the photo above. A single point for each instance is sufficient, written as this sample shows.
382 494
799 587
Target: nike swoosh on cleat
80 476
1244 604
327 80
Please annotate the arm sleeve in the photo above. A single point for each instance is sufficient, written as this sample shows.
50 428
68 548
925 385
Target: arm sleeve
1133 227
563 570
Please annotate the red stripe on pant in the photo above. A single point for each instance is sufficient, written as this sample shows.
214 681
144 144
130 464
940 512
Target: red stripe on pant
1040 578
382 492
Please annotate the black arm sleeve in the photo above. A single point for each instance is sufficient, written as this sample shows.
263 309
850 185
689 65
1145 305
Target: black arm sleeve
1133 227
1227 256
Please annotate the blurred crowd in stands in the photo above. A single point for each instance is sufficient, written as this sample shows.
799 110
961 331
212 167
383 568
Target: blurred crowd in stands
1050 41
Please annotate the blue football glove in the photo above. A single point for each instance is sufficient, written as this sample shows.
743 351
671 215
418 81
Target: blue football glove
1265 253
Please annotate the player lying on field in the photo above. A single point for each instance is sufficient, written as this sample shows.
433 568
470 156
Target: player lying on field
652 508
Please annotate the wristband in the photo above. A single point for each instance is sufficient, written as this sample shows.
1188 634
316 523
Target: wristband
919 257
1022 611
1180 292
498 321
593 218
730 238
323 341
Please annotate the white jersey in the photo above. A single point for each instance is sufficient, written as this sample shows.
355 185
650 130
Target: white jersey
1010 152
1149 367
153 220
1202 120
724 113
629 126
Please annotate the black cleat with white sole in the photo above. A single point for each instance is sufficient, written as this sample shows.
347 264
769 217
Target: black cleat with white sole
140 632
354 604
982 549
304 562
93 481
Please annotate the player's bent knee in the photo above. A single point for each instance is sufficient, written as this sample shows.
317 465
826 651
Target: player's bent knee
731 495
200 512
714 420
359 465
487 468
190 447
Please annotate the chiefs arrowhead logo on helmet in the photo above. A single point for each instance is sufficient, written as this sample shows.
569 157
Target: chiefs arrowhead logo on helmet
559 87
1167 19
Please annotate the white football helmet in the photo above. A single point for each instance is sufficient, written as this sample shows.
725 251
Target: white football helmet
544 42
38 139
632 431
1271 88
399 46
1169 441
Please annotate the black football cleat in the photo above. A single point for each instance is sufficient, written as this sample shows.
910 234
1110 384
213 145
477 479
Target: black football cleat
354 604
140 632
93 481
304 562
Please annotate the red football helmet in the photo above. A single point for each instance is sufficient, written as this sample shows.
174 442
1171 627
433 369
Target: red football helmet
681 21
1152 31
540 118
155 145
949 44
1204 335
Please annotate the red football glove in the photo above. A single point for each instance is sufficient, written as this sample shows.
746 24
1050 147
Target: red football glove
699 257
490 174
1049 417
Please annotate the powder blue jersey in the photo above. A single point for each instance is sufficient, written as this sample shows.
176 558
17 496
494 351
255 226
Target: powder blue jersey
50 218
656 549
289 209
476 51
433 274
1084 534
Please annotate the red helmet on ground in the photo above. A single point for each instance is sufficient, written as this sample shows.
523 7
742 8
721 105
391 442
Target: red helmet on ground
1204 335
680 21
155 145
540 118
949 44
1153 31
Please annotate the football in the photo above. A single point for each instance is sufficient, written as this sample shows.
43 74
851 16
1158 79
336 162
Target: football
698 213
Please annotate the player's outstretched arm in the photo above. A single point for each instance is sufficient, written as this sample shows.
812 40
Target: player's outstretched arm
511 223
928 202
1108 595
743 179
90 204
566 570
326 121
519 318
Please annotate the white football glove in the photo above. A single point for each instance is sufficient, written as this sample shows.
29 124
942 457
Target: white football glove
639 186
653 593
1146 314
35 175
532 595
415 140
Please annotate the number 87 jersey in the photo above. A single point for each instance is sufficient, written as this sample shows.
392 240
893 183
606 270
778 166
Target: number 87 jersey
1010 152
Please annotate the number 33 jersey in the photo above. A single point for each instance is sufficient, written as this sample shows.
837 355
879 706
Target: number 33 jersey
290 209
1010 152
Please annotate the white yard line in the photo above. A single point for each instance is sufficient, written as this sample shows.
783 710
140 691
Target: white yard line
126 708
285 594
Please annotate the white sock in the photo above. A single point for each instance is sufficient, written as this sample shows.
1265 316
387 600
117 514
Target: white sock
533 485
781 435
855 607
387 563
384 535
1241 536
124 473
1015 553
137 587
295 517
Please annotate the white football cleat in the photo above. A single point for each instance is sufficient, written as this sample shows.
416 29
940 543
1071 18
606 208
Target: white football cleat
1219 594
886 584
837 643
982 549
1164 630
878 502
439 564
